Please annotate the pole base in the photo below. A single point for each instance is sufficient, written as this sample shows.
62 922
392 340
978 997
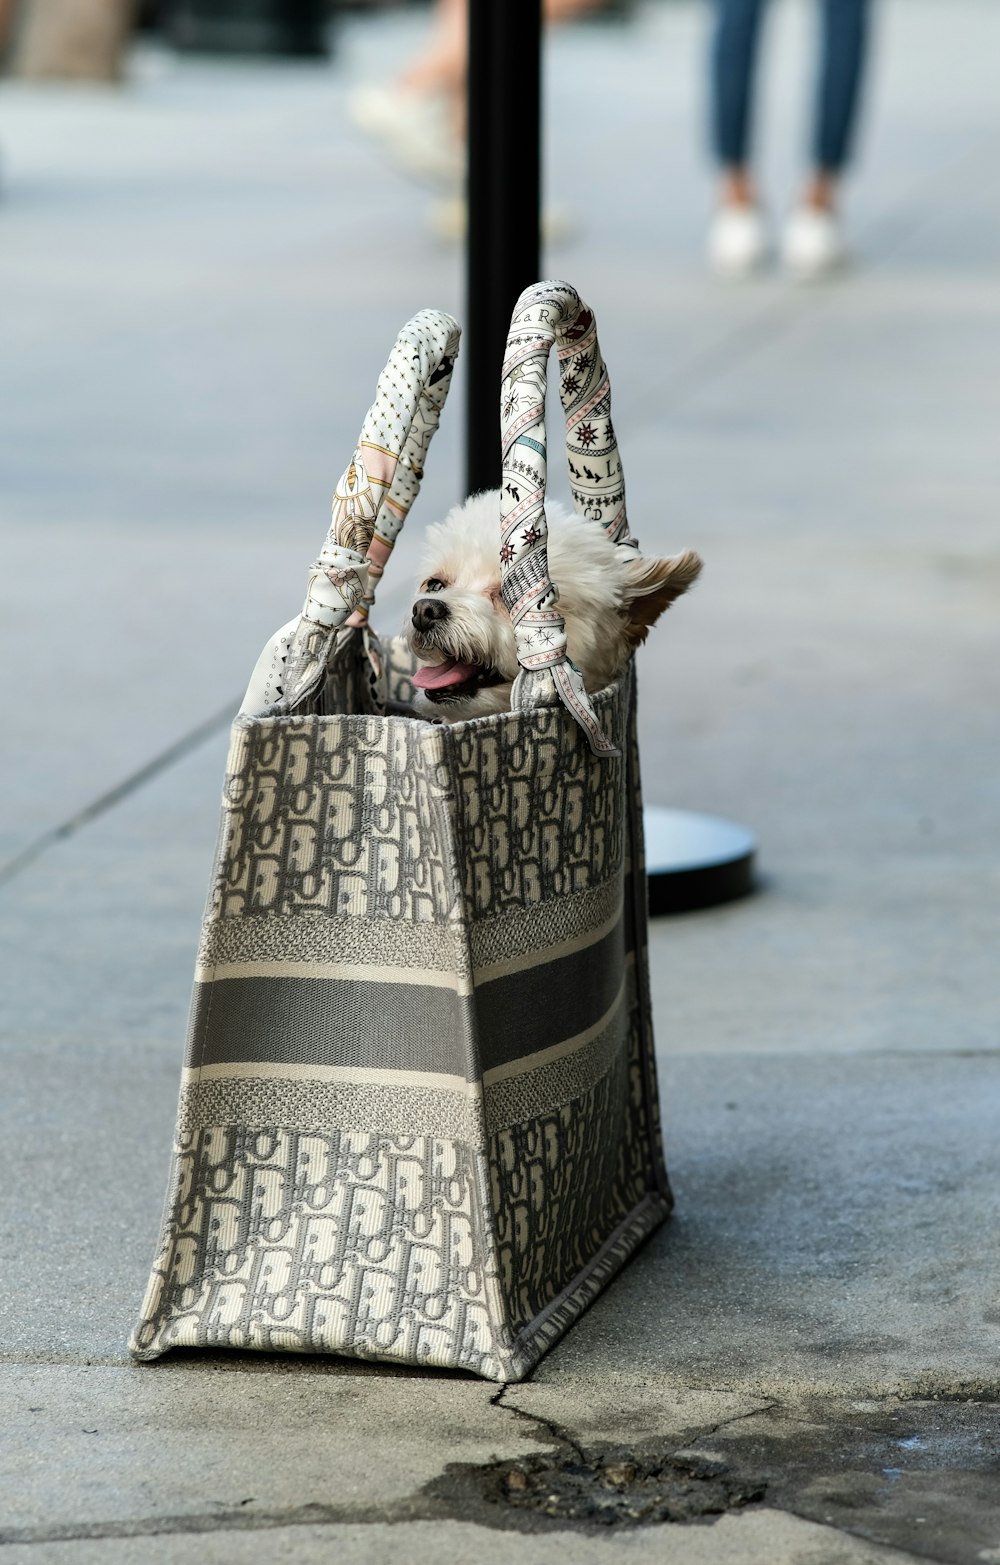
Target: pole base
695 861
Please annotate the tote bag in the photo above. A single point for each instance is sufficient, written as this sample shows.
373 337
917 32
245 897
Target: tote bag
418 1116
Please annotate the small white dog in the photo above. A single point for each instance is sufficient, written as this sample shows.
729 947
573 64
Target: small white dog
462 635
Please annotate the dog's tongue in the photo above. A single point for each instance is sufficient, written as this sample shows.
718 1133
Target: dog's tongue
439 676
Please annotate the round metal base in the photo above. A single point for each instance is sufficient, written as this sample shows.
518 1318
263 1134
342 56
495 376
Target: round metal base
695 861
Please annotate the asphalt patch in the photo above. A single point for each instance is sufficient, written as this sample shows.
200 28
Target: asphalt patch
602 1487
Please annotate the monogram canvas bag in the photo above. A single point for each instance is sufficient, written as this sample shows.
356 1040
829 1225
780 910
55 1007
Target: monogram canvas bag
418 1115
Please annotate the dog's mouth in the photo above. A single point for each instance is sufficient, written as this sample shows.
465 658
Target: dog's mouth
453 680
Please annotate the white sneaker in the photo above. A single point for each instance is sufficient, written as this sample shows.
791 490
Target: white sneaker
813 243
414 128
738 241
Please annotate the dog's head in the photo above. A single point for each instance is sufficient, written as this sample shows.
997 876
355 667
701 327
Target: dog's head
461 632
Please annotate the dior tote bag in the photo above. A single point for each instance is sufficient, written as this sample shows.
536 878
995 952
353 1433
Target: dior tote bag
418 1113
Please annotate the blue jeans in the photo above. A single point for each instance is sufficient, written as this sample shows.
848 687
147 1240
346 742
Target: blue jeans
843 25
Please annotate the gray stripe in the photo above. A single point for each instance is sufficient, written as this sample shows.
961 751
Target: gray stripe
537 1008
331 1021
368 1025
533 1094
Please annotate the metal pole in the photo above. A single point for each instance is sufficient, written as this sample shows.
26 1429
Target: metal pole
693 861
503 193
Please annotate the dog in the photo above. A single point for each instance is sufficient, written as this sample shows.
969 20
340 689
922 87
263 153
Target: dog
460 631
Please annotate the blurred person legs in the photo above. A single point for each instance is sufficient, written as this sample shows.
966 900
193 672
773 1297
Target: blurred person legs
738 240
813 242
420 115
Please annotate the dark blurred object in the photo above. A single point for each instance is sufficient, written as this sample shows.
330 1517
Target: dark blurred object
71 40
290 28
503 242
376 5
148 15
695 861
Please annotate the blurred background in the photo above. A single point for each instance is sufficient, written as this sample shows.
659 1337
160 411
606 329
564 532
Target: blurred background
206 250
204 259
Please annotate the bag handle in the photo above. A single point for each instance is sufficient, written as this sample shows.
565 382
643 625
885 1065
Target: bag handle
546 313
370 505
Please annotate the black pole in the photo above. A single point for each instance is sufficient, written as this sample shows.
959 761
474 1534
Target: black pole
503 194
694 861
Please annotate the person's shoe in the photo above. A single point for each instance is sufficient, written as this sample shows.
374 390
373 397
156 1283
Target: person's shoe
813 244
414 128
738 241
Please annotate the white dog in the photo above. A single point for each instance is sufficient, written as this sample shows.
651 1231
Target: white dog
462 635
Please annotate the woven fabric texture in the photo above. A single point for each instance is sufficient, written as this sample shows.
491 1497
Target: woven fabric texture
418 1116
418 1113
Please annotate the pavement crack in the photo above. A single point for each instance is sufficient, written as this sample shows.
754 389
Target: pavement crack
546 1429
129 785
237 1519
739 1418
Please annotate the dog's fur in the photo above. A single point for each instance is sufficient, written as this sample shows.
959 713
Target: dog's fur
609 598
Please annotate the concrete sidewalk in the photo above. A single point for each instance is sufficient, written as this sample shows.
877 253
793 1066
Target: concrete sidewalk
201 276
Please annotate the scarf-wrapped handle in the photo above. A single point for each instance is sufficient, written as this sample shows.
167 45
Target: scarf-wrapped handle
370 505
547 314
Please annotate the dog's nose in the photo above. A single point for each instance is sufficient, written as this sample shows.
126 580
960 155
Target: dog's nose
427 610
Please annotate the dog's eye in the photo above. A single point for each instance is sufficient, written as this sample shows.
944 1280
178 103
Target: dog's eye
434 585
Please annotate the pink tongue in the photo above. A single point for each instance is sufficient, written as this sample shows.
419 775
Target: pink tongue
441 675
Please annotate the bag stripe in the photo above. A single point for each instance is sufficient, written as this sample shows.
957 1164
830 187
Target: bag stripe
371 1025
515 1014
326 1075
364 973
328 1021
569 1046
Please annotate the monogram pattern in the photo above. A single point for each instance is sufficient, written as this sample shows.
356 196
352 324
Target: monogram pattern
337 1241
346 817
542 816
381 1213
550 1220
419 1115
376 1245
359 816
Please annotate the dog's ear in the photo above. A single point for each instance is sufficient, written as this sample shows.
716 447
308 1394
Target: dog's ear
651 586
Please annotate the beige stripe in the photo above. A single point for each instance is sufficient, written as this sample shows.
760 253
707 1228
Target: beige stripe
558 1051
375 973
426 977
351 1075
529 959
324 1106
